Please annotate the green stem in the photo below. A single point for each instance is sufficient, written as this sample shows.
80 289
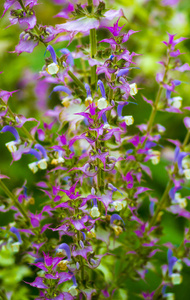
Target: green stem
157 293
160 205
155 105
93 50
83 64
186 140
23 128
15 201
2 295
77 81
22 5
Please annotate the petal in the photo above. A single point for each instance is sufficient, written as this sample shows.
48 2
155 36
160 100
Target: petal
12 130
80 25
53 54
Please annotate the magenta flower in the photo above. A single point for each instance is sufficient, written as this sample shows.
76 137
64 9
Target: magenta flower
115 30
26 44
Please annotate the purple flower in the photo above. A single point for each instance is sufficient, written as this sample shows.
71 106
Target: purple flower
26 44
69 57
115 30
52 52
116 217
102 89
171 261
88 91
64 247
17 233
171 42
83 25
13 131
183 68
39 283
61 88
122 72
187 122
9 3
170 2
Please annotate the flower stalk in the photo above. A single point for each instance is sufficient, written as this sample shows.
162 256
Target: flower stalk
15 201
158 97
23 128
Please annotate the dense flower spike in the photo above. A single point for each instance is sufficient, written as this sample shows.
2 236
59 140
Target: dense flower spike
88 220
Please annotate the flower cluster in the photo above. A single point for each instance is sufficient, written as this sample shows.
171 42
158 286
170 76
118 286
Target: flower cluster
92 163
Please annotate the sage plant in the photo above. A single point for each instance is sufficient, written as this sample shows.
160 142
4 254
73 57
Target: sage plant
91 163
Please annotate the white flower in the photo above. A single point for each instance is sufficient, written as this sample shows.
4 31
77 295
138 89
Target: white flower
88 101
52 69
133 89
33 167
11 146
129 120
186 163
73 290
155 157
187 173
176 102
42 164
94 212
102 103
15 247
66 101
56 161
69 114
169 296
118 205
177 266
176 278
91 233
107 126
182 202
